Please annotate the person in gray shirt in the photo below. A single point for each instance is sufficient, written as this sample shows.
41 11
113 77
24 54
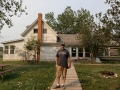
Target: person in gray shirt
62 64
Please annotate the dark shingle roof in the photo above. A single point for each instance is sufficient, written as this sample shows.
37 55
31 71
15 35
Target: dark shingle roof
69 39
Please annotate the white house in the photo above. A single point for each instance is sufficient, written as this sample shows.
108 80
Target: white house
50 43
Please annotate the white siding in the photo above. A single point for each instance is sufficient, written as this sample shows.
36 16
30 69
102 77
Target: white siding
30 33
48 53
16 56
50 36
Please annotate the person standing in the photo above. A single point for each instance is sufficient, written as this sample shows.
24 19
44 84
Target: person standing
62 64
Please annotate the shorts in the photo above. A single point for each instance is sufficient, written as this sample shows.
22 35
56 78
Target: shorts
61 71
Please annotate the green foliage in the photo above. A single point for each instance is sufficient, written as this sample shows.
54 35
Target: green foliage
9 8
51 21
32 43
67 22
110 21
90 33
107 28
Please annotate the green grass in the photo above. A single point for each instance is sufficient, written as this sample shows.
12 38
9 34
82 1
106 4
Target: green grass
29 76
90 80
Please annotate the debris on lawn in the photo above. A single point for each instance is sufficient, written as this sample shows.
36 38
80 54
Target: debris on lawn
107 74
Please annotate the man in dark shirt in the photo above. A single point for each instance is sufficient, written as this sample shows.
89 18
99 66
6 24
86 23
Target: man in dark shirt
62 64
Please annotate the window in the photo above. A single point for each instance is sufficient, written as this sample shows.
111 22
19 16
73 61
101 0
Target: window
6 50
44 30
80 52
12 49
73 52
87 52
35 31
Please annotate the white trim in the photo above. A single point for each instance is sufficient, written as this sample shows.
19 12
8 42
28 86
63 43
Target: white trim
12 41
77 52
36 22
83 51
50 28
29 27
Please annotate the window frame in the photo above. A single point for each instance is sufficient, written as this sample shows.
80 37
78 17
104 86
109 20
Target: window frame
6 49
73 52
44 31
12 50
35 31
87 52
80 52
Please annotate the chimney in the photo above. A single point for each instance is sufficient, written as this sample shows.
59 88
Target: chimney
39 34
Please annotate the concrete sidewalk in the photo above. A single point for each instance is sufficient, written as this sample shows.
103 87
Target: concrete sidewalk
72 81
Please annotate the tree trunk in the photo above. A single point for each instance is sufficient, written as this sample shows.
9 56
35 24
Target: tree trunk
92 59
35 54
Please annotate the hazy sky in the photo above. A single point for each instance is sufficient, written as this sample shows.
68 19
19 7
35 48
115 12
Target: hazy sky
45 6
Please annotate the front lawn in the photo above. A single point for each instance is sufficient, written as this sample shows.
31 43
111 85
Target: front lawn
29 76
91 80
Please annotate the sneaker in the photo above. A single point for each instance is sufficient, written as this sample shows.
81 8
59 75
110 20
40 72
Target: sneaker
56 87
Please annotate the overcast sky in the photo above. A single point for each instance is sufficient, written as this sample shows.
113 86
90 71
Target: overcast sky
45 6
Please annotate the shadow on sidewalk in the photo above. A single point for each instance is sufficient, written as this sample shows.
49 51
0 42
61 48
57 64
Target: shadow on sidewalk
74 83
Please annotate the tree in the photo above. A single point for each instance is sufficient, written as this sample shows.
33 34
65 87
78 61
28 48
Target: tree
64 23
9 8
85 27
69 21
90 33
32 45
110 21
51 21
92 38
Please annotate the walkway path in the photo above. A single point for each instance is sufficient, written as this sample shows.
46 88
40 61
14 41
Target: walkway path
72 81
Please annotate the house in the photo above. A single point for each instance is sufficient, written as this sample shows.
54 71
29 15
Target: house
49 45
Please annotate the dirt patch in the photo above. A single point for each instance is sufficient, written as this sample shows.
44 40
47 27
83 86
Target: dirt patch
107 74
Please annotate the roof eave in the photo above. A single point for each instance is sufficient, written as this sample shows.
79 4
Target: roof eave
51 28
12 41
28 28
